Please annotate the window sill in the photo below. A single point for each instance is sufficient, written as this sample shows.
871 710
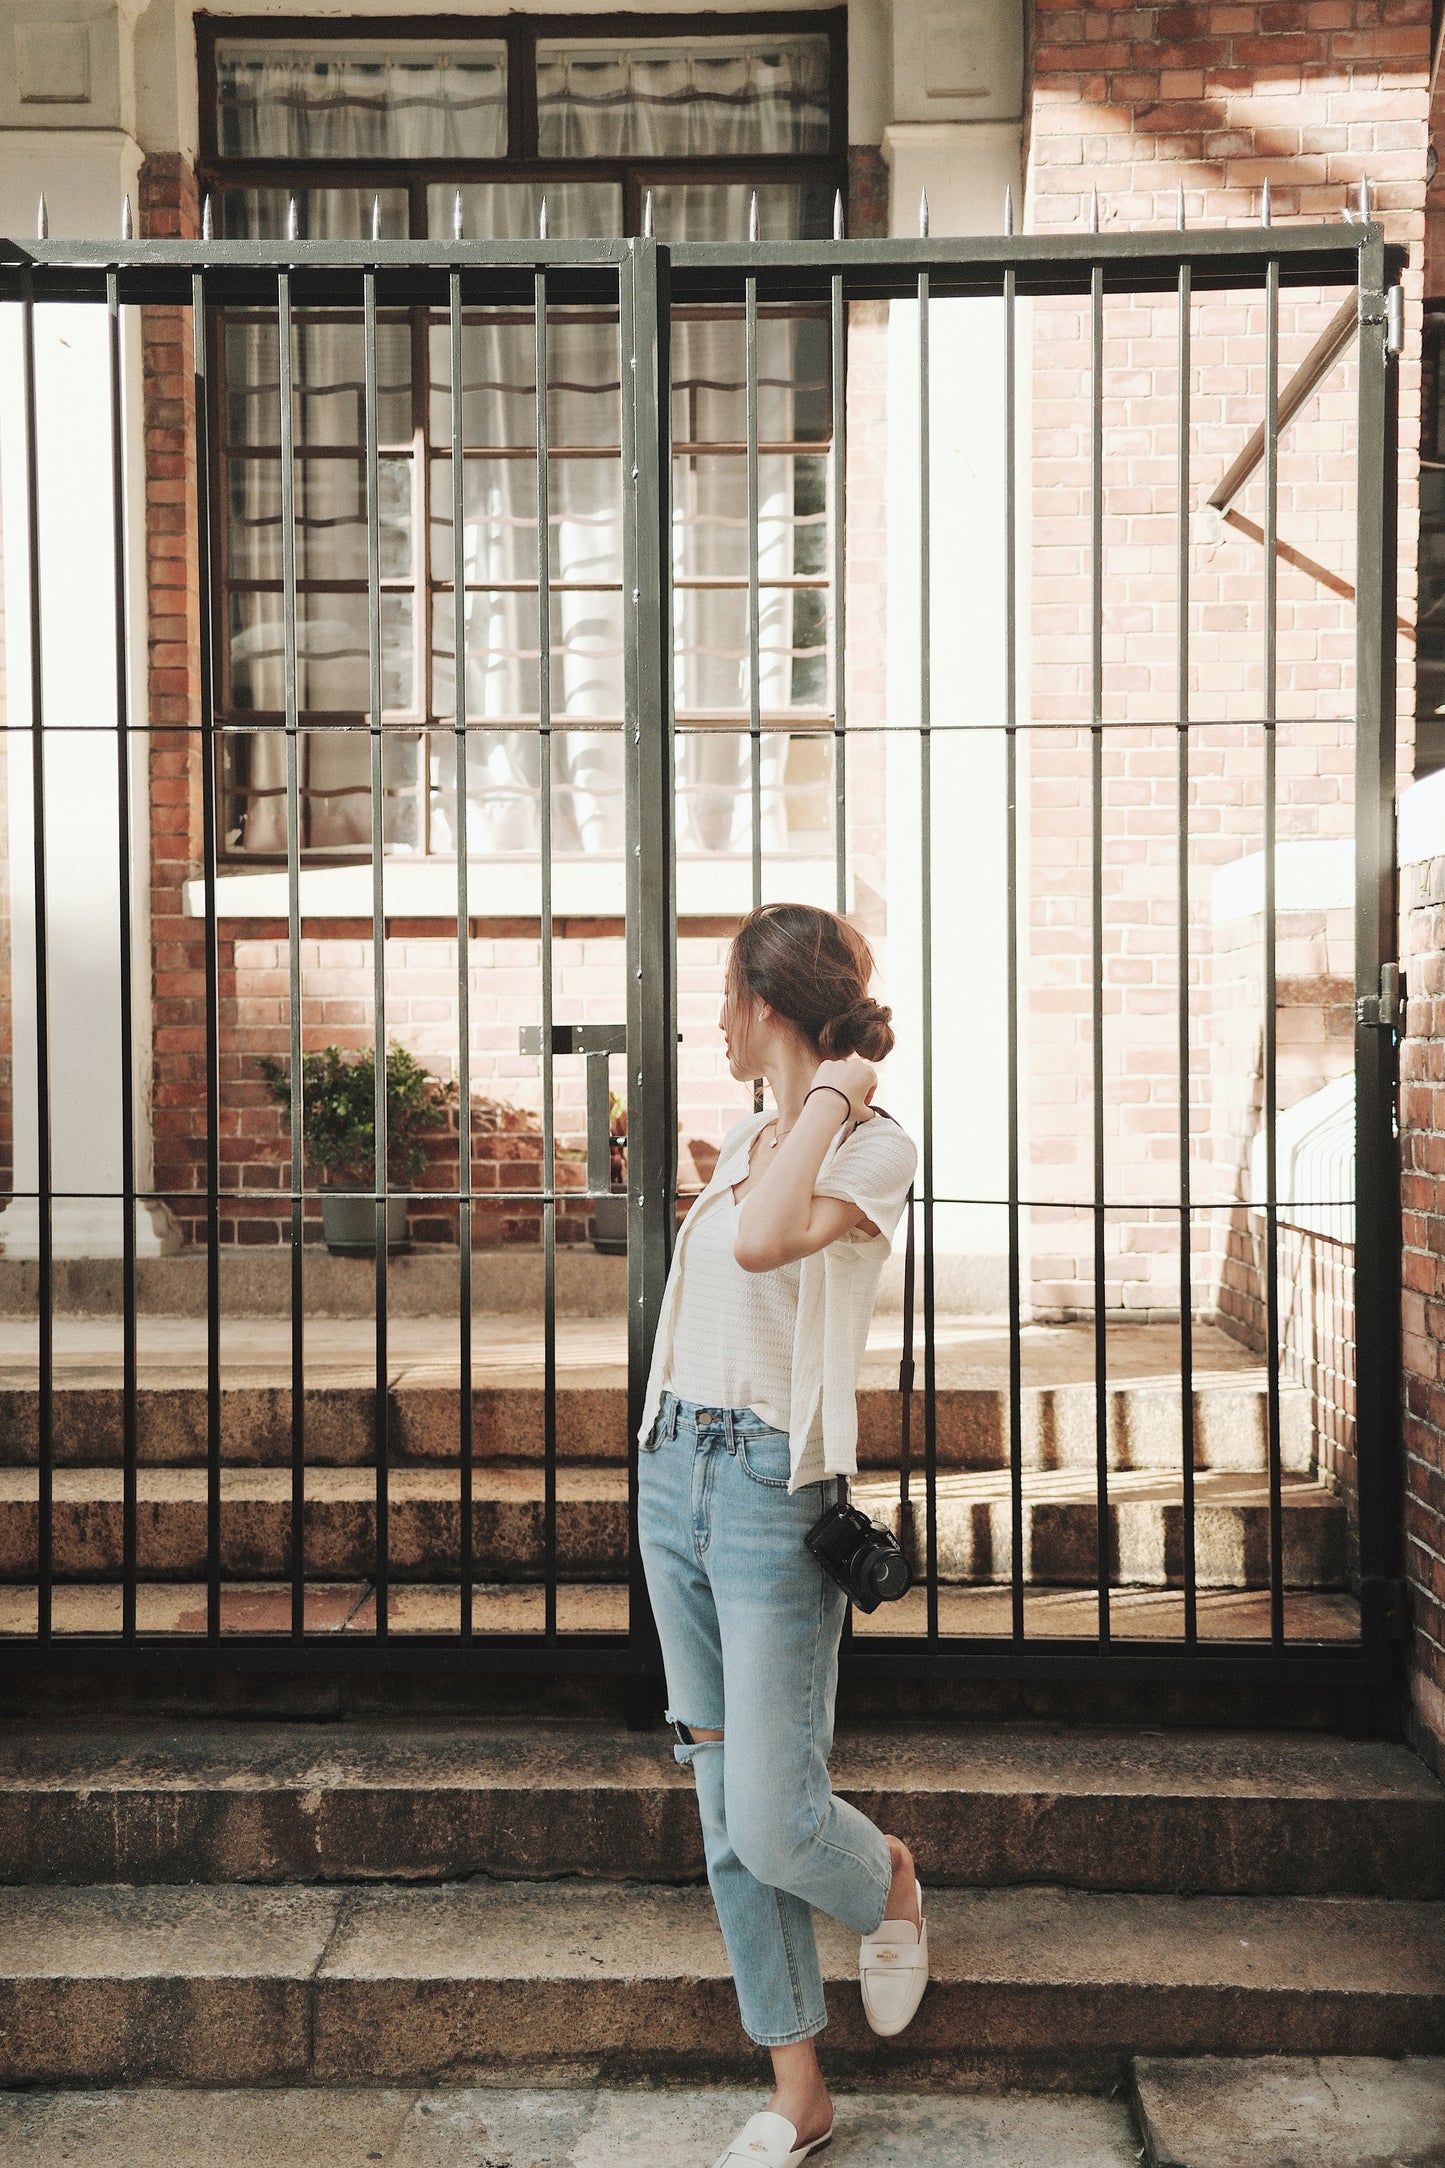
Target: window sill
508 888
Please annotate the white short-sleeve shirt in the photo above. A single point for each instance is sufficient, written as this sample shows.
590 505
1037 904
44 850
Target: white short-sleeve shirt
788 1343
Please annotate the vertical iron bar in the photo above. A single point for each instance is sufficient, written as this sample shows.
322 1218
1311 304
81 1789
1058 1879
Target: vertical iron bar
1096 801
925 862
127 1019
549 1141
464 977
206 716
1378 1435
1011 941
1186 1201
755 741
381 1386
839 351
45 1397
651 872
293 933
1271 1060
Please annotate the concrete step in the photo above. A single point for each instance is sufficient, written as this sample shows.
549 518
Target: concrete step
1225 1615
455 2126
1288 2111
985 1805
563 1981
974 1515
1144 1415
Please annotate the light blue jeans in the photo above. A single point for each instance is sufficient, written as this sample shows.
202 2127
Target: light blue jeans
750 1626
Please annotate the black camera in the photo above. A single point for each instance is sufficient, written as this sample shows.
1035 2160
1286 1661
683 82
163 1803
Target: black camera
865 1560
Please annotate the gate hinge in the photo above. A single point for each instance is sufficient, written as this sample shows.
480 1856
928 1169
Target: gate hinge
1385 1010
1392 1599
1385 311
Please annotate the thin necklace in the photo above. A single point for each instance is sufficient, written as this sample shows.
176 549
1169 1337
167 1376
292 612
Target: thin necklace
778 1134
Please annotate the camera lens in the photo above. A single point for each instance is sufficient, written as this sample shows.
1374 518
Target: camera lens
887 1575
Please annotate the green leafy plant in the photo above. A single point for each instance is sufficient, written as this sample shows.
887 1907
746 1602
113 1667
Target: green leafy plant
338 1111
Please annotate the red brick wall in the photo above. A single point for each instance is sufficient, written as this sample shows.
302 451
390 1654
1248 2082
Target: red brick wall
1313 96
169 210
1135 101
421 1013
1422 1147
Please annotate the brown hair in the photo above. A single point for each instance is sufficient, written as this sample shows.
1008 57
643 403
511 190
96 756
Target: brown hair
813 968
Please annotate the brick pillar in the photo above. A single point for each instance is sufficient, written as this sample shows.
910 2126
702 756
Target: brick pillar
1422 1150
169 210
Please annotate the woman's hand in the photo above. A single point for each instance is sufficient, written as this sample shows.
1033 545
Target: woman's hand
856 1078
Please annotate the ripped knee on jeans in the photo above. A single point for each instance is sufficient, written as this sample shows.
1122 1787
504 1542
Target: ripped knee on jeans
690 1737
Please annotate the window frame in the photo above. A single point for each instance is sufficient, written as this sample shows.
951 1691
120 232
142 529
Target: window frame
217 175
521 35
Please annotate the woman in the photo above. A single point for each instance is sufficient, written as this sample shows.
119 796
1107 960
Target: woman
750 1414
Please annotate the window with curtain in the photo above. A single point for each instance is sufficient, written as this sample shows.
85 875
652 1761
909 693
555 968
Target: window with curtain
699 120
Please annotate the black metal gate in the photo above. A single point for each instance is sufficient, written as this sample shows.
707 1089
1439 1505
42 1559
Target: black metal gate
917 774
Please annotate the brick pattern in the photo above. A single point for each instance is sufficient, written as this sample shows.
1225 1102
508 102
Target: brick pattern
1422 1146
169 210
504 992
1135 101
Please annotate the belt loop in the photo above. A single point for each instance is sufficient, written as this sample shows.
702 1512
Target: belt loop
731 1442
669 1415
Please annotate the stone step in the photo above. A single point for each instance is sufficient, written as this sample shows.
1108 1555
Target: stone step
1225 1616
488 1980
974 1524
1229 1426
982 1805
632 2126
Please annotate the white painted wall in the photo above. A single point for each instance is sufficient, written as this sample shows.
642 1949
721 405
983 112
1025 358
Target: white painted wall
85 174
957 74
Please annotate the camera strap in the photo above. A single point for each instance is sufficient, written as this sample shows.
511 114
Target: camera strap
905 1366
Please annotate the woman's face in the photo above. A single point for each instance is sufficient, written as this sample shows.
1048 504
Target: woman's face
737 1020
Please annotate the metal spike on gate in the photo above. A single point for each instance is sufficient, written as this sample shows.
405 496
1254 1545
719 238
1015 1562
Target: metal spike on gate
1094 211
1365 198
1266 207
838 214
923 214
457 216
376 218
648 229
1180 217
754 224
42 219
208 221
542 220
1008 209
127 220
293 219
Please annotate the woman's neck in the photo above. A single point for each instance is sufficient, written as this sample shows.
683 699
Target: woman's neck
788 1077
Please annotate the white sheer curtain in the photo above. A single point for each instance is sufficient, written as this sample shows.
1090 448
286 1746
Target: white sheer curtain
294 98
670 98
596 99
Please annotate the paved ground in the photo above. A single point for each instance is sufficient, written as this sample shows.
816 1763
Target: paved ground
562 2129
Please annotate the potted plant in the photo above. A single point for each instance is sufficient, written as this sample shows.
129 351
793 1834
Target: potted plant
338 1112
609 1214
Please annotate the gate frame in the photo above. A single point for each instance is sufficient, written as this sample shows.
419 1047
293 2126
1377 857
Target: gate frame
648 279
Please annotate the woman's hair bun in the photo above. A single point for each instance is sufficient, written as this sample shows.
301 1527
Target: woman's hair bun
866 1029
812 967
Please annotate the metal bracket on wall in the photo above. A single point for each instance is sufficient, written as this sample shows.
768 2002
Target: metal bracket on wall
598 1042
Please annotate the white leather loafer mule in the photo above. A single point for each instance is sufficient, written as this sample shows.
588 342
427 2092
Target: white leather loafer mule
768 2141
893 1971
